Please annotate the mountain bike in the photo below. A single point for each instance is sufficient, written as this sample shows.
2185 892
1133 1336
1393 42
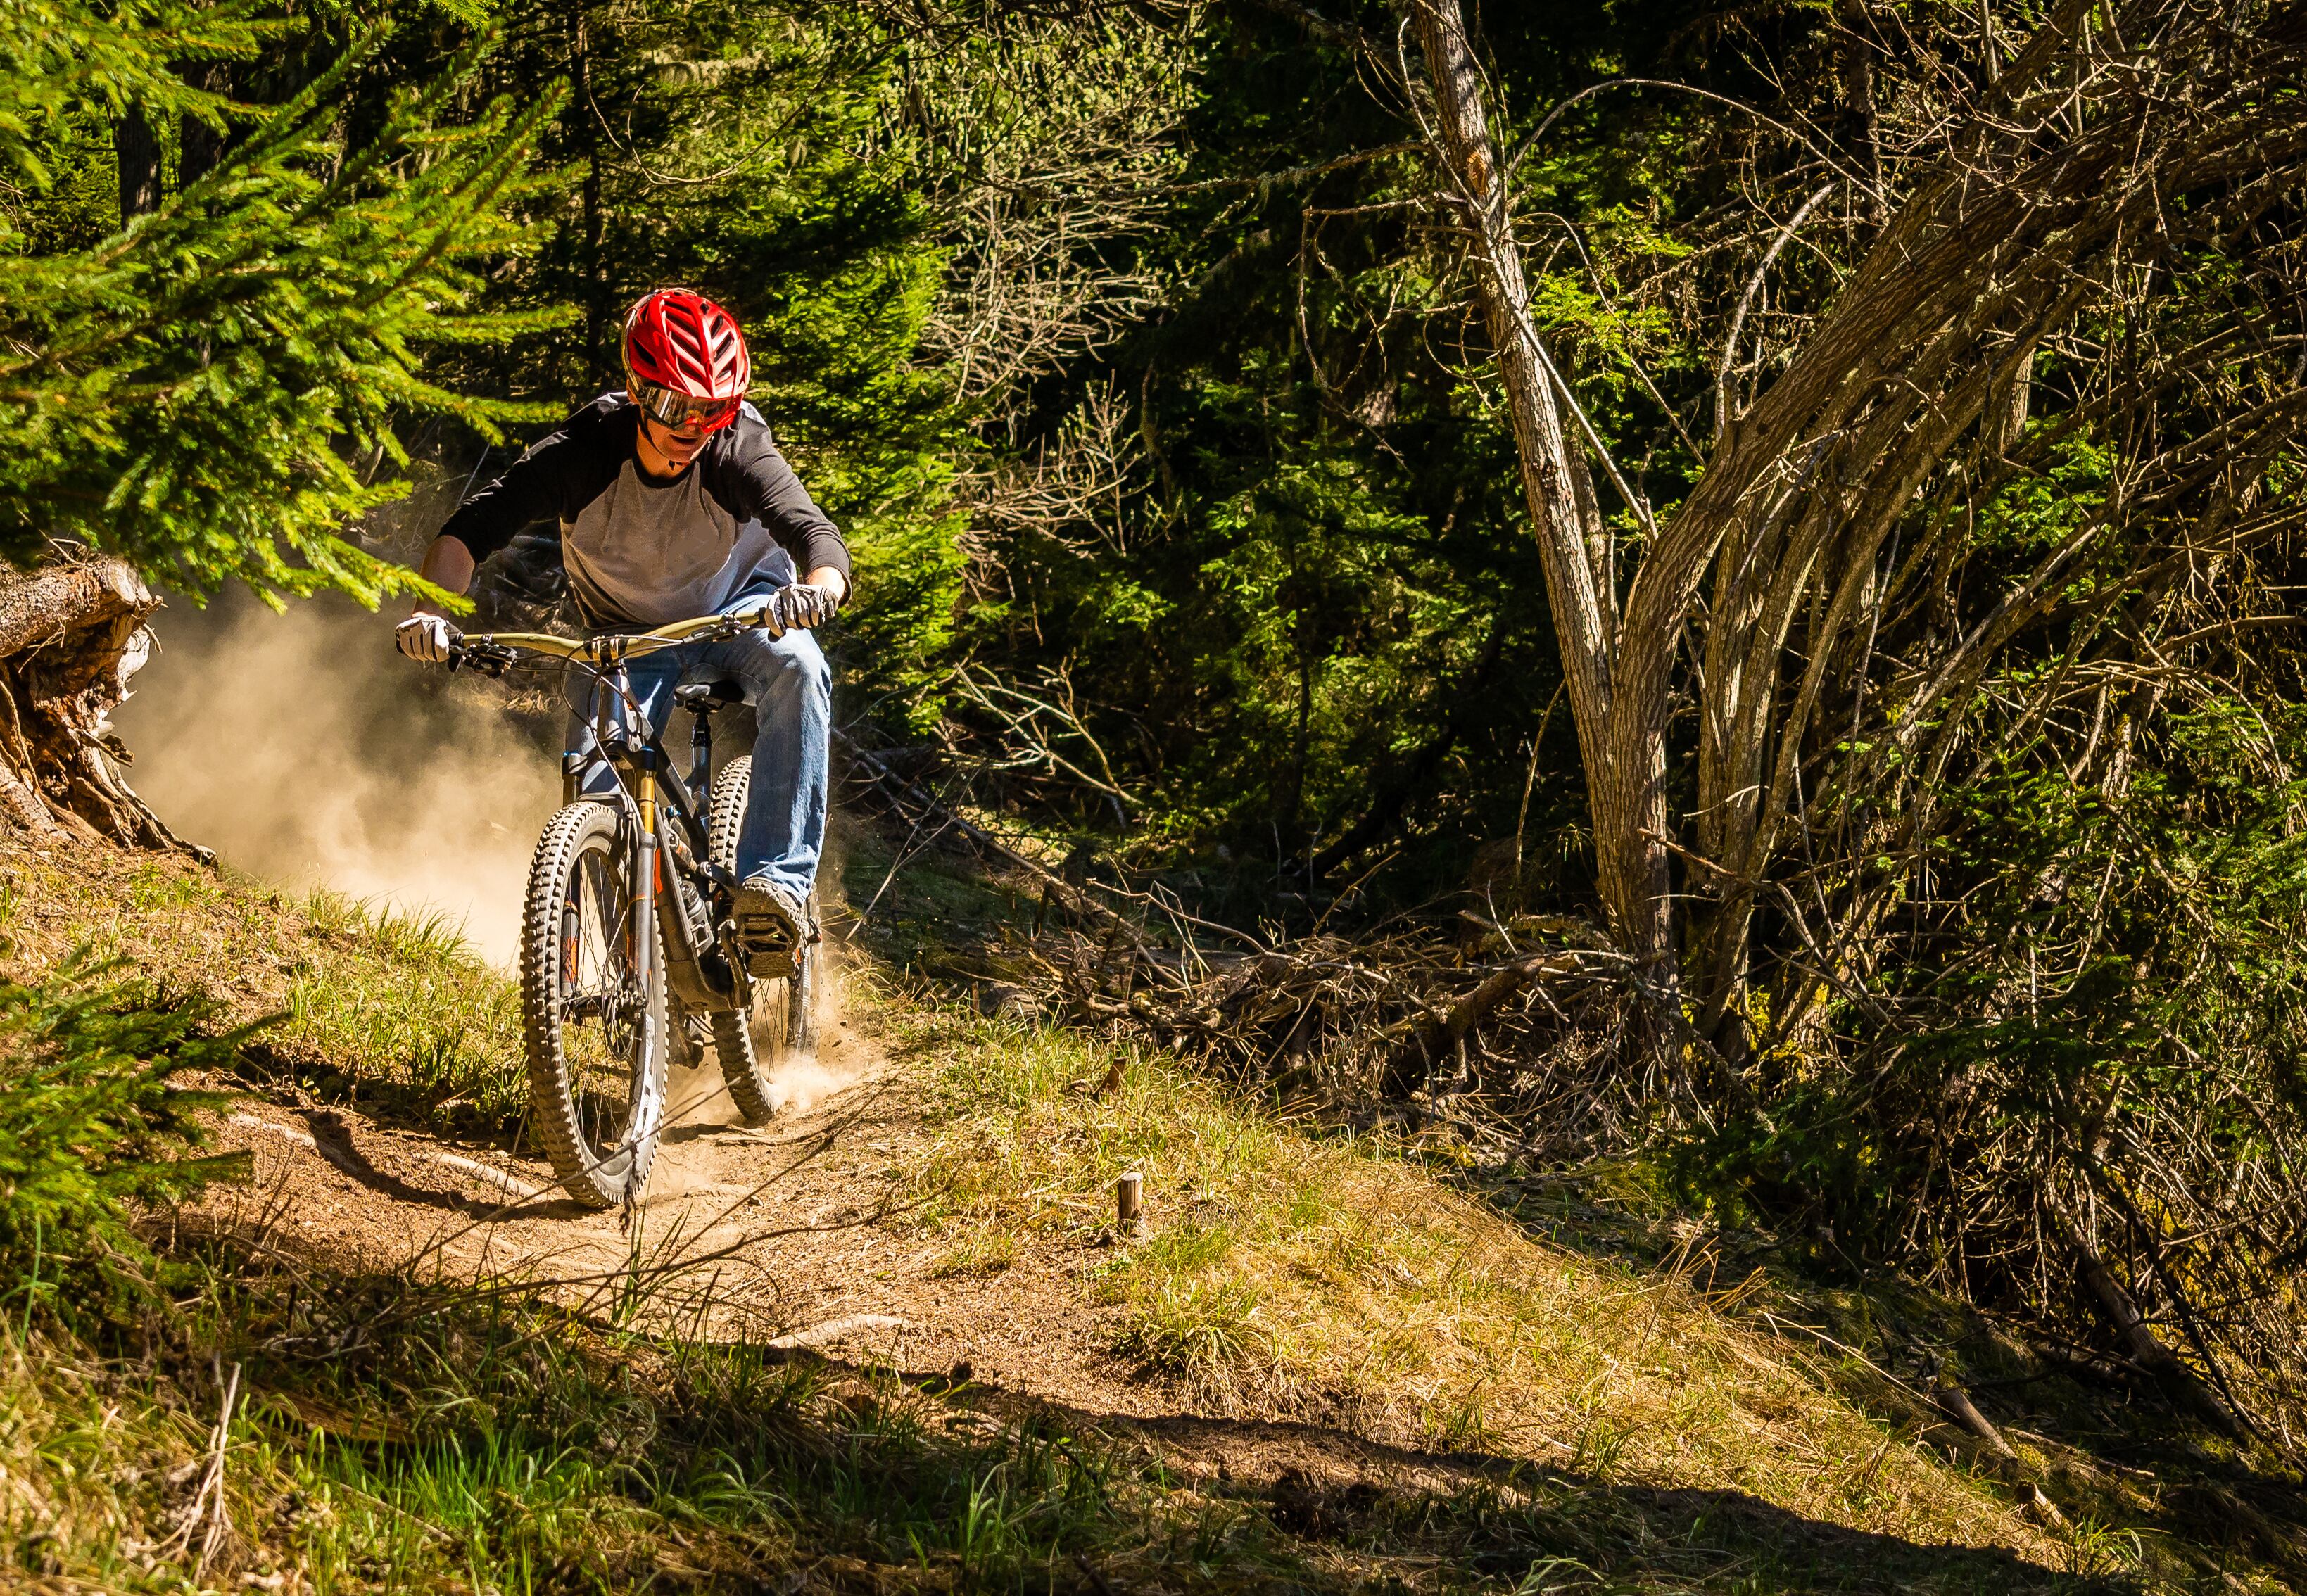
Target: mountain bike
627 925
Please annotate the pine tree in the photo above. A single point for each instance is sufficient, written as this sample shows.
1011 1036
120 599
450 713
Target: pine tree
209 390
213 390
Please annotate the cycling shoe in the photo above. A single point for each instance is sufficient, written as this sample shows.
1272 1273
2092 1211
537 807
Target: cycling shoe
773 927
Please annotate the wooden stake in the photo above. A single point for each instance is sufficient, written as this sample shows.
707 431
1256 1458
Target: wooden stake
1129 1205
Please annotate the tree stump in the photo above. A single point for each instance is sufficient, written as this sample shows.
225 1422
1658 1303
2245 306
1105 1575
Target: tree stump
72 635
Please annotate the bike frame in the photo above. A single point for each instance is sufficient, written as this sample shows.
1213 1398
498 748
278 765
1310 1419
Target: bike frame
710 976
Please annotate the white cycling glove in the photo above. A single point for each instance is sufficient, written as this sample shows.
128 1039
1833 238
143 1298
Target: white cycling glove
426 637
797 605
805 605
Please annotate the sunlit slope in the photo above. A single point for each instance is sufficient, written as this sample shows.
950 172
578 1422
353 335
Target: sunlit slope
1323 1368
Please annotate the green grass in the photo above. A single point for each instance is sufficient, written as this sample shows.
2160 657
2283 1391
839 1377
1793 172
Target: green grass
494 1447
395 1433
401 999
374 1003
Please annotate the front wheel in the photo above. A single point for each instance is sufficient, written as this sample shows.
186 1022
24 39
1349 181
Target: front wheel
781 1020
592 1007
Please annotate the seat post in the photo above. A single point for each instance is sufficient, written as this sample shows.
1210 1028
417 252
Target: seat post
701 698
700 739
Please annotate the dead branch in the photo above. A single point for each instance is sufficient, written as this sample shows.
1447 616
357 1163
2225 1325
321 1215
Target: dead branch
1447 1031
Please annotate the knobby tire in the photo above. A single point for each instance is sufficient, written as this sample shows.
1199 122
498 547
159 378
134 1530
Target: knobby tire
781 1021
602 1159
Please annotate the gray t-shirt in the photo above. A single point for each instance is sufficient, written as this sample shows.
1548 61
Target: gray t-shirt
648 553
641 553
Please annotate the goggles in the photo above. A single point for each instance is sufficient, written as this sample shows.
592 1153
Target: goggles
668 408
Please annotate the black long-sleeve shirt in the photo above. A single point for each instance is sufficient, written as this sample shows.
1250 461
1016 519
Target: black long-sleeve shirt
641 552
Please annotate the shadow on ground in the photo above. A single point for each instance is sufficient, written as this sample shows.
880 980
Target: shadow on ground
596 1458
1516 1520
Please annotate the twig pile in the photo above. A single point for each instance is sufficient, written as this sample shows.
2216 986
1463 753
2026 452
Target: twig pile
1512 1038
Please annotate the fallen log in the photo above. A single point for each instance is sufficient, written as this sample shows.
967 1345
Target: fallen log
2140 1344
1440 1036
1955 1402
71 635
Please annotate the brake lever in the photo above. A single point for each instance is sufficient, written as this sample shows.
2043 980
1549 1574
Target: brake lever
490 662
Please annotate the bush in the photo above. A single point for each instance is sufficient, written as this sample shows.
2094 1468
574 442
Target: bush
90 1129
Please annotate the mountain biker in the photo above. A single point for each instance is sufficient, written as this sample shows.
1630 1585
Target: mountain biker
673 501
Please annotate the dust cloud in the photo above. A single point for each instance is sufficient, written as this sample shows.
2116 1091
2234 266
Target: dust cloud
304 750
807 1082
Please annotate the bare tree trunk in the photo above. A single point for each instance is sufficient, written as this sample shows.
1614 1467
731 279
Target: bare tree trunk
136 159
71 636
2019 221
1861 128
1625 798
597 297
199 146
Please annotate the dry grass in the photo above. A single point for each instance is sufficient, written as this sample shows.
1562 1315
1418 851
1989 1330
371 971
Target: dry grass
368 997
1286 1273
1290 1273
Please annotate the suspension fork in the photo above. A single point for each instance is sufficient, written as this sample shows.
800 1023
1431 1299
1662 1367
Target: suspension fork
573 766
645 762
646 887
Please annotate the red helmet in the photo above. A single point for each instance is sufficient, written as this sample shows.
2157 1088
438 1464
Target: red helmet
685 359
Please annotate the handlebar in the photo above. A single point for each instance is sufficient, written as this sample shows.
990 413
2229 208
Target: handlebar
493 653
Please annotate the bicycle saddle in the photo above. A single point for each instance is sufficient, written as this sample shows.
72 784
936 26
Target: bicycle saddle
702 697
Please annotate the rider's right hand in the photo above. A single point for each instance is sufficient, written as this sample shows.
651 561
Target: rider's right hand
426 637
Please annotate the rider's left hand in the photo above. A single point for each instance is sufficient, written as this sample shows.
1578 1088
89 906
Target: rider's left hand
805 605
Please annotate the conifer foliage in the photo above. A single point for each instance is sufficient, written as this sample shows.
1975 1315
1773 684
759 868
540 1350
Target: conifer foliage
213 390
93 1123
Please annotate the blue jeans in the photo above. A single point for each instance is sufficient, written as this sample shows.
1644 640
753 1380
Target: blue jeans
790 687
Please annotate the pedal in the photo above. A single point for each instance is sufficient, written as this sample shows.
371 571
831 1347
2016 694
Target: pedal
770 954
766 946
770 945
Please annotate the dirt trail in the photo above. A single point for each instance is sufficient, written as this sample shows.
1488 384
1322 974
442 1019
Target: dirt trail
773 1233
792 1231
795 1235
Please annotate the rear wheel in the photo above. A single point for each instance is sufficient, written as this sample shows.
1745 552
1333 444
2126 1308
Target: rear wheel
781 1021
595 1030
